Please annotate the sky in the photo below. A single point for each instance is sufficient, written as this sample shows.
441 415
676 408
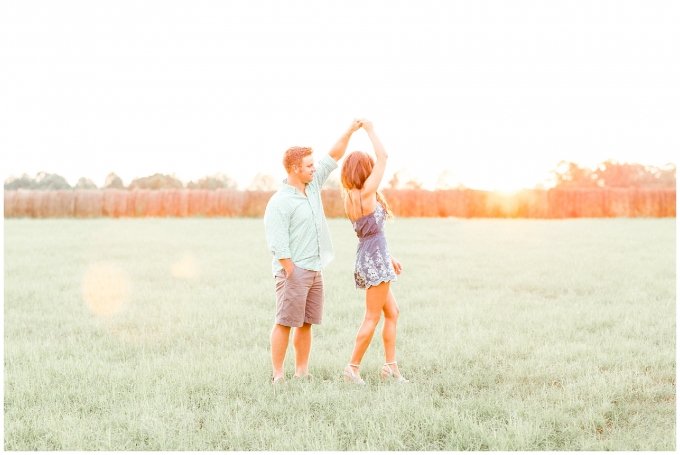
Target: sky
495 92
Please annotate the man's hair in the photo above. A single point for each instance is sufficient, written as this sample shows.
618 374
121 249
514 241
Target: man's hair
294 156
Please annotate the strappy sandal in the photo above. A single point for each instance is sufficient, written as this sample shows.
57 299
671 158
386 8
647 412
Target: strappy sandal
389 374
350 376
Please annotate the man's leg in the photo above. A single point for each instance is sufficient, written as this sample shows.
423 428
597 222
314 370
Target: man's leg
279 340
302 338
302 342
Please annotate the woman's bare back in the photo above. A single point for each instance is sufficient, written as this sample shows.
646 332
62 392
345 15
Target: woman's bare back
354 207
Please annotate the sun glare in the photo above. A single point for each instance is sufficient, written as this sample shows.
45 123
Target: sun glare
106 289
185 267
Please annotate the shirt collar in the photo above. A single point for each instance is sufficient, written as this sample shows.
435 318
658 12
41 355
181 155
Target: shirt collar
290 189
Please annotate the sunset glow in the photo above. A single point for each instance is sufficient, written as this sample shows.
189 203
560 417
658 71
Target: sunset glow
497 93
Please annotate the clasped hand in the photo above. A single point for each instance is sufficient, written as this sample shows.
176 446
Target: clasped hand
361 123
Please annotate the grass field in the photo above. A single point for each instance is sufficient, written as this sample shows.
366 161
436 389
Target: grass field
516 334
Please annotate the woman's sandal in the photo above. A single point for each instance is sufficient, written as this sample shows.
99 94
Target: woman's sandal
350 376
389 374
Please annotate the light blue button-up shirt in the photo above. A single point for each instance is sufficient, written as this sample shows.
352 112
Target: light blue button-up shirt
296 226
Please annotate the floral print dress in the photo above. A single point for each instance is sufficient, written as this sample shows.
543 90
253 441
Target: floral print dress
373 262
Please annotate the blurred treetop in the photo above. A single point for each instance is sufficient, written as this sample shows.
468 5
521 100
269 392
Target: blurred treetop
612 174
264 182
156 182
213 182
113 181
402 180
42 181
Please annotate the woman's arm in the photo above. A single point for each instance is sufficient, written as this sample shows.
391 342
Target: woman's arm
373 181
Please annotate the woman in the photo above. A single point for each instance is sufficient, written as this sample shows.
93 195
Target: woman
374 268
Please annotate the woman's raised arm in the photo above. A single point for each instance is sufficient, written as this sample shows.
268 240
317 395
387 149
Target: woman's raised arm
373 181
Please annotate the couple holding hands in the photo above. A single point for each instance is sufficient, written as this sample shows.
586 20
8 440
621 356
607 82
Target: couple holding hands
299 239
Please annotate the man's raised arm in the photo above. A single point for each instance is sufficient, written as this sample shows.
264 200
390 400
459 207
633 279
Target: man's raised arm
340 147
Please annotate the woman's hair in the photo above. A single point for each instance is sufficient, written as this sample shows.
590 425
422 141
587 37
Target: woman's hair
355 170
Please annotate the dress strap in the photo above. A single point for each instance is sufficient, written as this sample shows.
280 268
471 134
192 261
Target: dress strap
360 203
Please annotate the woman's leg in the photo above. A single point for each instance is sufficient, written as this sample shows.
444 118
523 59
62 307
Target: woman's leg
375 301
389 332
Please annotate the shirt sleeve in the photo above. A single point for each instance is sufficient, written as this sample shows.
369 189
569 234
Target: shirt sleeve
276 227
324 167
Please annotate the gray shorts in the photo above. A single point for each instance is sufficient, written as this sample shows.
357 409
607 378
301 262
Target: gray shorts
299 297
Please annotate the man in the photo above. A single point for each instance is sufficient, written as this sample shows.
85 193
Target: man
298 237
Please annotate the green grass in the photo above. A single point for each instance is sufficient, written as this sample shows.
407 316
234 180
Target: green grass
516 335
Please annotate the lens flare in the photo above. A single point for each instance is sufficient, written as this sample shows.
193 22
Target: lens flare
185 267
106 289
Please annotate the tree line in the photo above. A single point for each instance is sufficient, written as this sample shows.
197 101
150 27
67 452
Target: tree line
47 181
608 174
